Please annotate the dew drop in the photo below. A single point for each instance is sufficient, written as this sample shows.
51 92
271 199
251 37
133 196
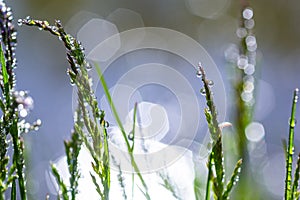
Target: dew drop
292 123
249 24
23 112
106 124
202 91
210 83
38 122
248 13
20 22
131 136
54 28
88 66
27 125
199 74
242 61
249 69
241 32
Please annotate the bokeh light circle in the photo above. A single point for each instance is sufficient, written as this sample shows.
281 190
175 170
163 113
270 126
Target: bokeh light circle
191 122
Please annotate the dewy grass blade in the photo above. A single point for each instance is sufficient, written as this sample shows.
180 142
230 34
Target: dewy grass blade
296 179
234 178
290 149
116 115
112 105
5 76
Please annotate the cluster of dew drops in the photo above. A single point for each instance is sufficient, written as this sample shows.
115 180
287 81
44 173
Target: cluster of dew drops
245 58
199 75
21 98
24 106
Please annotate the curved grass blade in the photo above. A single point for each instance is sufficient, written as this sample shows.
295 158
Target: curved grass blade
117 118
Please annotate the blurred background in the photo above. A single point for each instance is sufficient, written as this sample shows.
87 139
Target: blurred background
213 23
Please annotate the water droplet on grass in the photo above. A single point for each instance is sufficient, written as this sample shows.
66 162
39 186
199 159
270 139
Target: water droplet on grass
210 83
106 124
292 123
20 22
242 61
248 13
249 24
241 32
131 136
202 91
199 74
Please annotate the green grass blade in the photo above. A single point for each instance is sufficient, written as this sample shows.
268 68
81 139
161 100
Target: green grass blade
120 125
209 178
290 149
61 184
233 180
4 71
296 178
97 186
112 105
13 194
5 76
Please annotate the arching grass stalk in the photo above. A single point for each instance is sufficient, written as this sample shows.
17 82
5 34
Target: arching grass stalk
291 186
216 167
88 117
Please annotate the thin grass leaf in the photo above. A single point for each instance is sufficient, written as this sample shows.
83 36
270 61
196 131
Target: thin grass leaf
112 105
133 126
62 186
167 183
132 135
290 149
296 178
13 193
5 76
284 145
116 115
97 186
4 71
209 178
233 180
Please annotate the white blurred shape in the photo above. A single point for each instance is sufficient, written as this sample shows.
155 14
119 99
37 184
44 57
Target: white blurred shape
78 20
149 154
125 19
274 173
207 8
93 36
152 122
255 132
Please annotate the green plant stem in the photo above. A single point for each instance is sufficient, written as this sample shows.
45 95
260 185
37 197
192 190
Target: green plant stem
290 150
